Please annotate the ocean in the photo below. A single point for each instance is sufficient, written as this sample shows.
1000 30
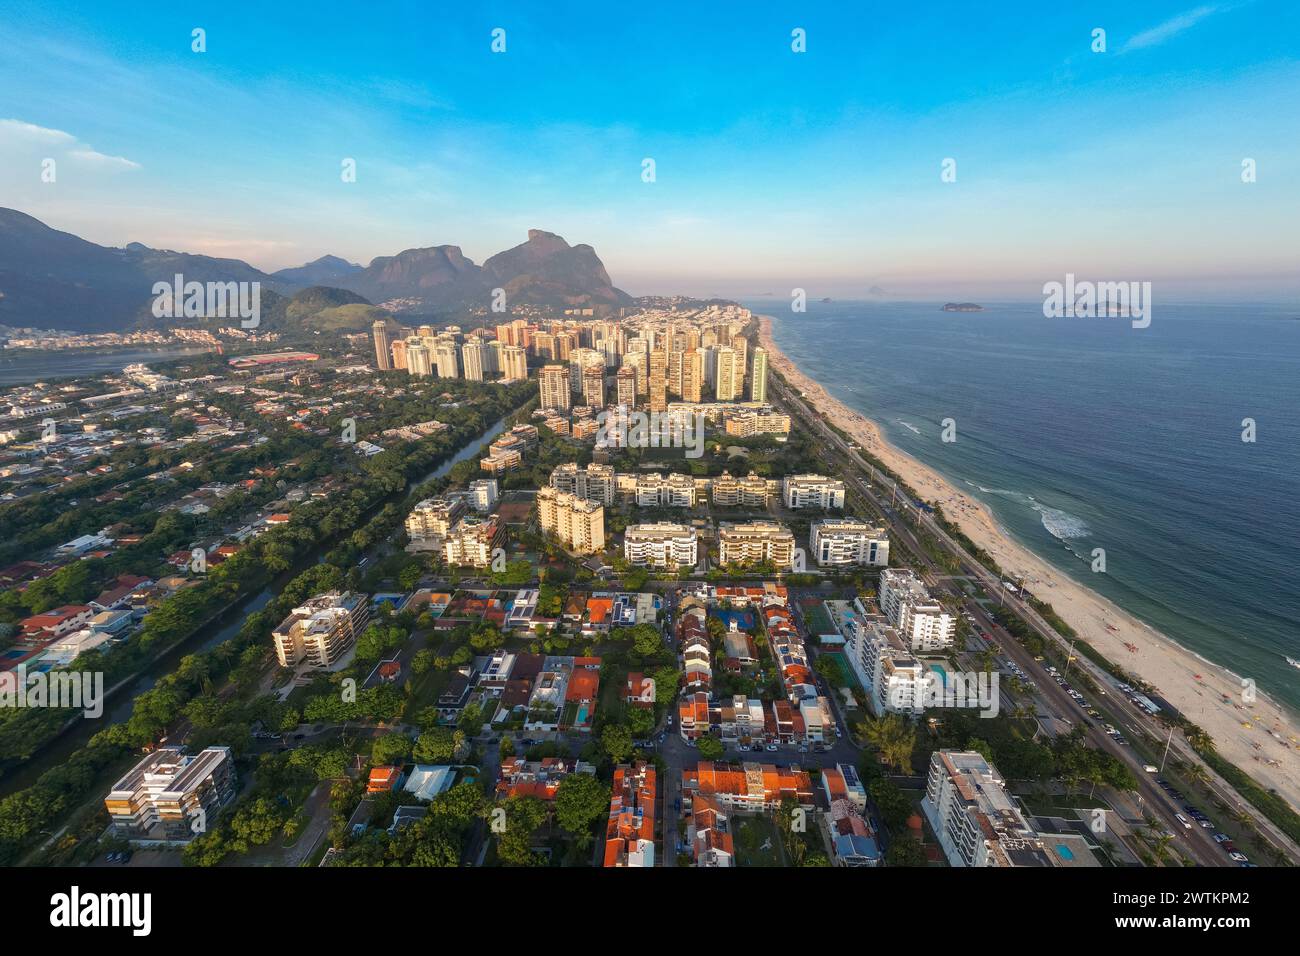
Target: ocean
1088 433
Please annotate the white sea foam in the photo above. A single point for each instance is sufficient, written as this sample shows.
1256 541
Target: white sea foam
1061 524
910 427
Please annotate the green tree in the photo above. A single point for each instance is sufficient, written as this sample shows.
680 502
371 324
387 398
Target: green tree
580 800
905 851
391 748
617 741
710 748
438 745
523 815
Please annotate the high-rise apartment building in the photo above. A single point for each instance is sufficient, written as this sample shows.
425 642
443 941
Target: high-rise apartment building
553 384
514 363
322 630
729 377
758 376
577 523
383 352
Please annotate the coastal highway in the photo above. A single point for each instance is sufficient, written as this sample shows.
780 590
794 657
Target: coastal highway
1196 842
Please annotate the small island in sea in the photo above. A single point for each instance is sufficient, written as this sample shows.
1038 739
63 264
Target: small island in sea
962 307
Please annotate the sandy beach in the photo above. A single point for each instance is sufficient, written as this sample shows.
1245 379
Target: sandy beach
1261 738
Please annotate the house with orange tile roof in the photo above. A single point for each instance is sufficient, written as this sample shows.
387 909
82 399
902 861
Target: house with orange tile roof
56 622
580 697
519 777
630 831
749 787
599 614
384 779
693 715
841 782
640 691
709 833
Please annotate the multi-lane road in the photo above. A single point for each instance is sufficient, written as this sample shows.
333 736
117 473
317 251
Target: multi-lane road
1196 842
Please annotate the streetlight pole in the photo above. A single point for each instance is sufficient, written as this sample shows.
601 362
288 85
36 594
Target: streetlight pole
1165 755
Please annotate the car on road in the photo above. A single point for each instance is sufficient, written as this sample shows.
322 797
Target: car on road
1149 768
772 748
1183 820
1239 857
1222 838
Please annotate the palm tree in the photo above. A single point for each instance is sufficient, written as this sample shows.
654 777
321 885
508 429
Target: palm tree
1199 739
1160 846
894 738
1196 773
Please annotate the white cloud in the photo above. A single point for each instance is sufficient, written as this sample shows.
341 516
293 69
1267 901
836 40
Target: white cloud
17 130
18 134
1168 29
102 159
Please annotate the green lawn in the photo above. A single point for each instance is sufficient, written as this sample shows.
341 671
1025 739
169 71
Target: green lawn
751 835
426 690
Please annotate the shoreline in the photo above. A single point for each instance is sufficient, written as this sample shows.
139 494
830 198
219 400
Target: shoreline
1208 694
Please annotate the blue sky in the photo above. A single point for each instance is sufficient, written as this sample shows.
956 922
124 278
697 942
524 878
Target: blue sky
774 169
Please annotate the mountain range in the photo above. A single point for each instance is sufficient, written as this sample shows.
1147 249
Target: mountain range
53 279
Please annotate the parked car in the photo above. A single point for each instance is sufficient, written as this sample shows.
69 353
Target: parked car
1150 769
1183 820
1239 857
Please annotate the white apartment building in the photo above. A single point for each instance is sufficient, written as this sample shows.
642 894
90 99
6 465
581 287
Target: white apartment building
320 632
975 820
514 363
747 424
812 491
475 359
848 541
431 520
579 524
758 377
751 491
894 680
922 621
665 491
172 797
472 541
419 363
661 545
592 483
729 377
383 351
553 385
446 357
483 494
755 541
